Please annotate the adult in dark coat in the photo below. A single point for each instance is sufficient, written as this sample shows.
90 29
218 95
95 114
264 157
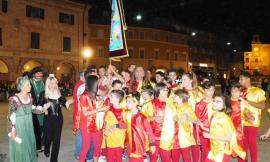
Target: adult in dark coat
38 92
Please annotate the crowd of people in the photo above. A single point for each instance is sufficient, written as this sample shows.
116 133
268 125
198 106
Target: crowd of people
157 115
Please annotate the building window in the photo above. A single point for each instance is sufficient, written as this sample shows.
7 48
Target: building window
141 35
130 34
34 12
176 55
157 54
101 52
67 44
167 38
247 60
130 53
35 39
4 6
100 33
184 55
155 36
167 54
1 42
256 60
66 18
142 53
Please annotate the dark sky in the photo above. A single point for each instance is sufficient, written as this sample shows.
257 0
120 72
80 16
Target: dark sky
242 17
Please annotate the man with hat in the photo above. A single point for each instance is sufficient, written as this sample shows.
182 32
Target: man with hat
38 92
254 98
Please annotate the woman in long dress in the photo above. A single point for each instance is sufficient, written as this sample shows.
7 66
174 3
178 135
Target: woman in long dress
21 125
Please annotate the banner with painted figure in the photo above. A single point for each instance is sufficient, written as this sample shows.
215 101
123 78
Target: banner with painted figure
117 46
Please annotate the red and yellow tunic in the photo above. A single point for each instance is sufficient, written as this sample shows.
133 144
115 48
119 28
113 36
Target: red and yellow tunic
148 109
256 95
195 97
184 134
116 138
140 134
222 126
237 119
89 121
204 112
164 132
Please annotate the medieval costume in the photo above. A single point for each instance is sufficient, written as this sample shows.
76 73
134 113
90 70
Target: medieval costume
256 95
37 92
140 136
184 138
164 131
222 126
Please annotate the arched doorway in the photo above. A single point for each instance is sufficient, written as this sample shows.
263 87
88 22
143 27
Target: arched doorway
65 71
29 65
4 71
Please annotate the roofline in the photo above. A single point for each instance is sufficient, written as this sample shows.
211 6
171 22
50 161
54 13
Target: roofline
145 28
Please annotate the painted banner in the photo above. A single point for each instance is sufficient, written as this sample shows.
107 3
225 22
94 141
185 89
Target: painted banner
118 45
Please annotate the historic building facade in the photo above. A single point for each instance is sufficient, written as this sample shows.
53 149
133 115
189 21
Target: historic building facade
49 33
146 46
258 59
54 33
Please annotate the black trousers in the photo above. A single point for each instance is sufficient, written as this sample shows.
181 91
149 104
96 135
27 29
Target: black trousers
38 132
52 135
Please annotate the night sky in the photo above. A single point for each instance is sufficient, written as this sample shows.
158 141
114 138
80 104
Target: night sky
224 17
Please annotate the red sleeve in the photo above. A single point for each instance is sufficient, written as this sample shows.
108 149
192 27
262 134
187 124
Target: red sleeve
149 131
83 101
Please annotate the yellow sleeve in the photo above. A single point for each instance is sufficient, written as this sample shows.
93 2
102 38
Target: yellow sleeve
192 113
148 110
256 95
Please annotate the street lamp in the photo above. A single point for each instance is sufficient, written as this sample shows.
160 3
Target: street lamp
228 43
87 53
193 34
139 17
234 50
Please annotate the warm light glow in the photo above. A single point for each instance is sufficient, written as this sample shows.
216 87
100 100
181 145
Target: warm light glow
203 65
193 34
87 52
256 49
190 64
234 68
27 67
224 76
58 68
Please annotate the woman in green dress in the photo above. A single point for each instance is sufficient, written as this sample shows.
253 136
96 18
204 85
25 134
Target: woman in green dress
21 125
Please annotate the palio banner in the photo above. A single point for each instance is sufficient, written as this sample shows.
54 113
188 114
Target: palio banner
118 45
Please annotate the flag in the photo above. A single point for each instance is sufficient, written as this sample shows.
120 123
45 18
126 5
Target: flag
118 45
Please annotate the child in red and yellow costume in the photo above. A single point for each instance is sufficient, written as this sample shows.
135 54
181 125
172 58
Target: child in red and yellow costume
139 132
222 135
114 130
163 124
